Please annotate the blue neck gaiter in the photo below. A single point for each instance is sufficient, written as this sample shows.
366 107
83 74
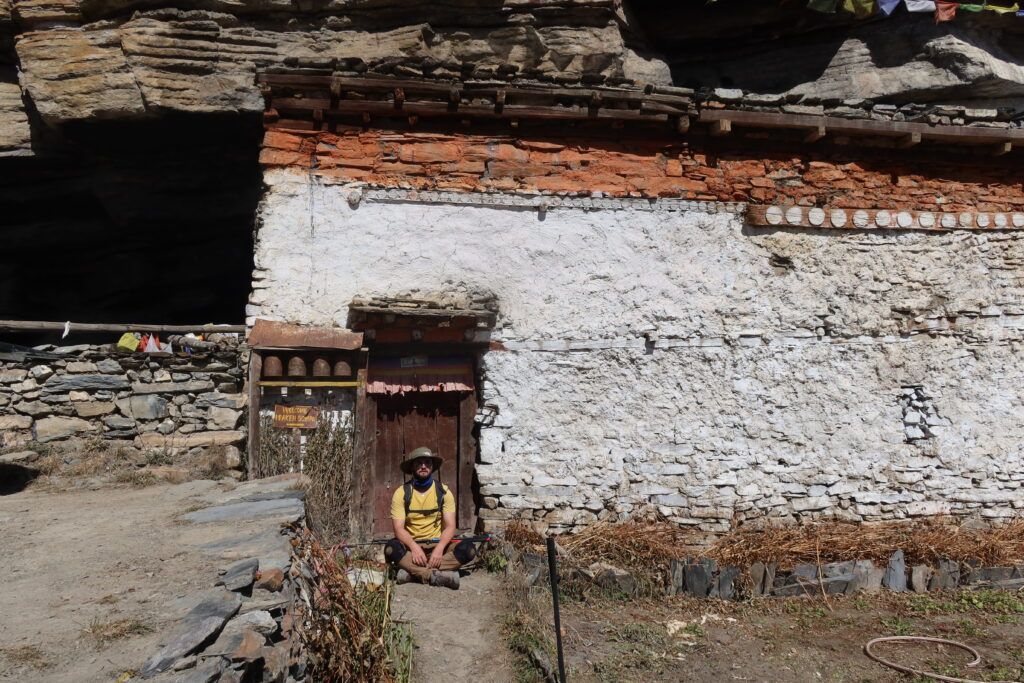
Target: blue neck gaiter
422 485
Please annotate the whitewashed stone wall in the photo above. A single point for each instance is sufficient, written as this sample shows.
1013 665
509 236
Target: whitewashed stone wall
678 359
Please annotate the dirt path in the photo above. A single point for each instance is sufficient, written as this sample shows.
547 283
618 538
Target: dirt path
94 577
457 633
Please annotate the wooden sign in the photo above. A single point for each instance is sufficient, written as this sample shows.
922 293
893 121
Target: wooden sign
296 417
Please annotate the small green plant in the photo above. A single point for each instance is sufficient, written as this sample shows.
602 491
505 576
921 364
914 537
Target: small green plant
638 633
897 626
862 603
968 628
986 601
159 457
694 630
495 561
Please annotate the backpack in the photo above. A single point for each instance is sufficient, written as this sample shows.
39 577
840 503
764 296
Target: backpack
438 490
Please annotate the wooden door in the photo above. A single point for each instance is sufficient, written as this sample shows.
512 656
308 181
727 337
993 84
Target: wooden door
404 423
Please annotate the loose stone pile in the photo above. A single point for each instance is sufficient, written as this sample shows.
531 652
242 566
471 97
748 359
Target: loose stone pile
153 401
244 628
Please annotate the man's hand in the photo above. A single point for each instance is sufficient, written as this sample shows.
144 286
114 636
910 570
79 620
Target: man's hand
419 558
435 557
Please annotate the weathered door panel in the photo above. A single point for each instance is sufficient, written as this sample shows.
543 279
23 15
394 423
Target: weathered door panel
405 423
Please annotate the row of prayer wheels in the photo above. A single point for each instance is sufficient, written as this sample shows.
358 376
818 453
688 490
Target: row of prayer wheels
299 367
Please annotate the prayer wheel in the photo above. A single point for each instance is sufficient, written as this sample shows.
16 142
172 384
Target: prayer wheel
272 366
321 368
296 367
342 369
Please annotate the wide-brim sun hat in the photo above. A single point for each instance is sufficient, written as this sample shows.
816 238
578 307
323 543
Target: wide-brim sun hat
416 454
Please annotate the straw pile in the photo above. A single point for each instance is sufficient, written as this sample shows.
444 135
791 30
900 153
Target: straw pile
922 542
522 536
634 544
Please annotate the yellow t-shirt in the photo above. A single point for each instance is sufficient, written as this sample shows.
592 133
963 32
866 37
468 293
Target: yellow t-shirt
422 527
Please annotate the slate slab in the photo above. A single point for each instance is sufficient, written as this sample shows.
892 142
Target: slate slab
200 625
63 383
987 574
895 578
920 577
866 577
757 574
946 576
725 583
206 672
676 577
296 494
240 575
287 509
698 578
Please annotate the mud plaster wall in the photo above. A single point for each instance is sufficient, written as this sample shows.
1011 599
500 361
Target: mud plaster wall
684 361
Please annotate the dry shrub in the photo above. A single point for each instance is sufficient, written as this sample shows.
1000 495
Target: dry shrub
278 452
922 542
347 631
327 463
213 463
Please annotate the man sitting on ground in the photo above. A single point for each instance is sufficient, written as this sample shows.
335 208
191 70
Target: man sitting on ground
423 516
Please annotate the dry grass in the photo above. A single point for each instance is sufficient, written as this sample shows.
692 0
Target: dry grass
102 633
921 542
527 627
24 655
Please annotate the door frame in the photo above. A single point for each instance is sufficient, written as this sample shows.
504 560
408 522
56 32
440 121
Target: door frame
365 460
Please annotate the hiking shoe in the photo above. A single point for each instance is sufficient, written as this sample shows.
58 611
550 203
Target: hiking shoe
445 580
402 577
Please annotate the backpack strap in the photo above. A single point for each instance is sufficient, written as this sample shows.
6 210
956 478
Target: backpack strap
438 491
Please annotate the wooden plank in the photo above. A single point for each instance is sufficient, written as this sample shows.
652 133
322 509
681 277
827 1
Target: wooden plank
46 326
467 90
467 461
253 389
285 383
840 126
363 450
442 109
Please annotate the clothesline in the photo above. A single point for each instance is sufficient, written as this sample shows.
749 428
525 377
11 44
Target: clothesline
944 10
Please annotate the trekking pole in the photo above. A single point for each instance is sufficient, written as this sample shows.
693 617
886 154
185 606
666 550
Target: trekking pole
553 572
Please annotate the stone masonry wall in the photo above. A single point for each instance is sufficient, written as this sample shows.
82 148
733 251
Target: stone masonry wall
716 171
679 359
151 401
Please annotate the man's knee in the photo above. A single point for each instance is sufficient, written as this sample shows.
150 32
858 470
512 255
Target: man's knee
394 551
464 551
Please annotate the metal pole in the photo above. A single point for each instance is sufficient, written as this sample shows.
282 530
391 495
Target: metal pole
553 574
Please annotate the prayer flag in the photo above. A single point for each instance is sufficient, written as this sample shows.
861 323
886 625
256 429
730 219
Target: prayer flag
920 5
944 10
